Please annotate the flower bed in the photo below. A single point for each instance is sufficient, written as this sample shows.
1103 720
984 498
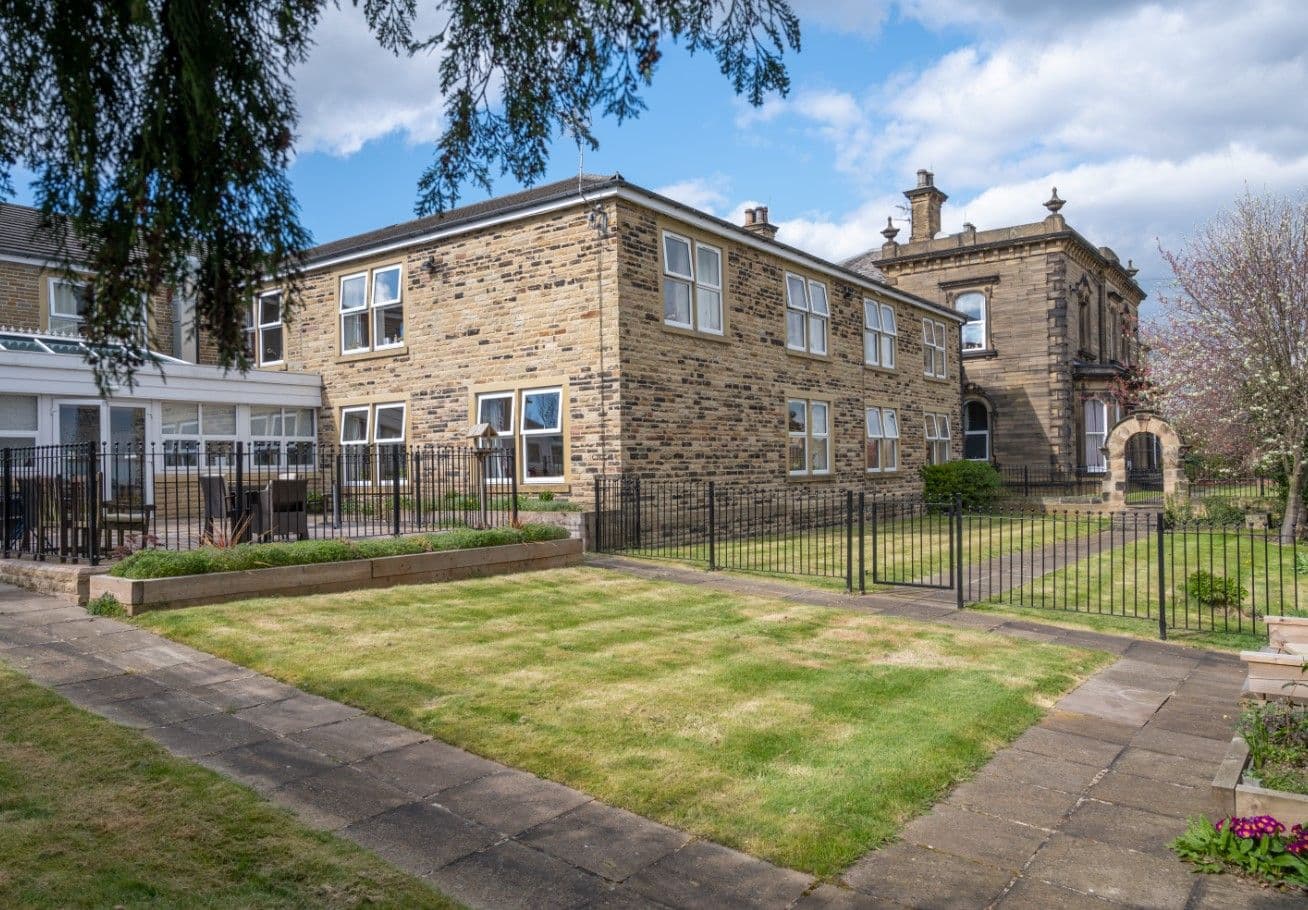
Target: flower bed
204 560
1260 846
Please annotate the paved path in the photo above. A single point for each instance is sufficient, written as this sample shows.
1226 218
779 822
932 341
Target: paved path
1080 804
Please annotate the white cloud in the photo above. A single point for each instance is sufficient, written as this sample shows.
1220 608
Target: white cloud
708 194
351 90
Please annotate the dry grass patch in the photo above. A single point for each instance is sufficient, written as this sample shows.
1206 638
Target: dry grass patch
797 733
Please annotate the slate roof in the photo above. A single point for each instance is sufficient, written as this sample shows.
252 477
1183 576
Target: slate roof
21 235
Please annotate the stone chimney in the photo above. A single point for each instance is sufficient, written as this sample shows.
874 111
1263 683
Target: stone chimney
756 222
926 201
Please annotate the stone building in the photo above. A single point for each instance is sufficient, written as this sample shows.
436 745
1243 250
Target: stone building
1051 327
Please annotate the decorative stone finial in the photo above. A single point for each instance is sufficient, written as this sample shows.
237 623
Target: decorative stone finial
1055 204
1131 269
890 232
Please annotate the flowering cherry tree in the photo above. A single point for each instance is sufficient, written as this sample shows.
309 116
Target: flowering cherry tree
1230 354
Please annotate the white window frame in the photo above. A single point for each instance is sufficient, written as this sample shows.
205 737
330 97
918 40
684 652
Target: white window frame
1095 460
983 321
937 439
968 431
23 434
808 435
78 318
504 439
879 341
279 324
359 312
811 317
285 440
887 436
696 284
935 350
524 434
376 307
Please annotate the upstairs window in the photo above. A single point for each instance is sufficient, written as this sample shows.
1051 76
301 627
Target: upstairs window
692 285
807 315
934 363
937 438
372 310
808 425
879 333
882 440
974 306
264 337
976 431
68 305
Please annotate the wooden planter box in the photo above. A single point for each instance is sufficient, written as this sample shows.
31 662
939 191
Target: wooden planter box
1288 633
1276 676
141 595
1233 796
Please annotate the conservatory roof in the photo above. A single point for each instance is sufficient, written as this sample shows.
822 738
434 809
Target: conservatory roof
70 345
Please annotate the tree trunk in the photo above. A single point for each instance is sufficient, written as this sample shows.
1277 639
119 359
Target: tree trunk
1293 501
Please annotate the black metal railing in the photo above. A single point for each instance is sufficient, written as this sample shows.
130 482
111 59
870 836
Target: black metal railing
88 502
1037 482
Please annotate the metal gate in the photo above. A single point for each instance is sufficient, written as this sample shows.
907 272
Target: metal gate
912 543
1144 486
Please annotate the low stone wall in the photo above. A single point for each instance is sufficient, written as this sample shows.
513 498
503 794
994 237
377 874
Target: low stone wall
66 581
141 595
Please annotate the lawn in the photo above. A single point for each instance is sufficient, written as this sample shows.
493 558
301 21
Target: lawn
95 815
902 549
1118 588
803 735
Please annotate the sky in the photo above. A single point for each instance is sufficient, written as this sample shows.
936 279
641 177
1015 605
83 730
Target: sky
1148 117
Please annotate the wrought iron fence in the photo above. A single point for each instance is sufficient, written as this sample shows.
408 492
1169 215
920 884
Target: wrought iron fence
86 502
1135 564
1031 482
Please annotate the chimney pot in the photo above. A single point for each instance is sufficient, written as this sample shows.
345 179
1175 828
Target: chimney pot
756 222
925 177
926 201
749 216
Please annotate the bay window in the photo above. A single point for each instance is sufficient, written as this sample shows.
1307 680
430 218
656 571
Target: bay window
879 333
808 428
692 286
882 440
807 315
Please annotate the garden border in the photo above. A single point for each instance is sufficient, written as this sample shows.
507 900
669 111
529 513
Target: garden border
1233 797
139 595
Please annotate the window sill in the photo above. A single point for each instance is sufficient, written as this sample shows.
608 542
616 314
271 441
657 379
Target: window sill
278 367
874 368
392 351
695 333
935 378
980 354
528 486
806 355
881 472
809 478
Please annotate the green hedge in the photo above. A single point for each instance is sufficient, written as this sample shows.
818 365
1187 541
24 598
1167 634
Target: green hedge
976 481
170 563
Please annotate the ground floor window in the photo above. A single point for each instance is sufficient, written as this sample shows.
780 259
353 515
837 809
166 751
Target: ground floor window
17 421
976 431
809 428
529 422
371 437
282 438
937 438
1095 413
198 435
882 440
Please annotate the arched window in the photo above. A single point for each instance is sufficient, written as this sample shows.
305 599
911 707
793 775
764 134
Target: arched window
976 431
973 305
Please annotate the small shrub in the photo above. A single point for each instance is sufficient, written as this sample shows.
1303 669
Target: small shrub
1223 512
546 496
1259 846
1301 562
976 481
1215 590
105 605
1177 510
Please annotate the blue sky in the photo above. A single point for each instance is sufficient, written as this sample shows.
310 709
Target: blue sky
1149 117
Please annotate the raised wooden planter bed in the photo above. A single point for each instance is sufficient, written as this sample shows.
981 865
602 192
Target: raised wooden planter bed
1234 796
141 595
1288 633
1277 675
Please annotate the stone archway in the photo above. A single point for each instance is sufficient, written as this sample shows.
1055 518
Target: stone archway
1172 445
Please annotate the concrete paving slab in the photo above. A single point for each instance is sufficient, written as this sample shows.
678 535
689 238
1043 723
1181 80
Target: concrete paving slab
1070 746
338 797
299 712
984 839
1111 873
510 801
358 737
243 692
71 670
86 627
1173 742
1032 894
913 876
200 673
1175 769
1003 798
1122 705
206 734
155 657
133 639
515 877
610 842
829 897
1089 725
114 688
1222 892
427 768
1207 721
419 837
1038 771
169 707
1123 826
1147 793
706 875
267 765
